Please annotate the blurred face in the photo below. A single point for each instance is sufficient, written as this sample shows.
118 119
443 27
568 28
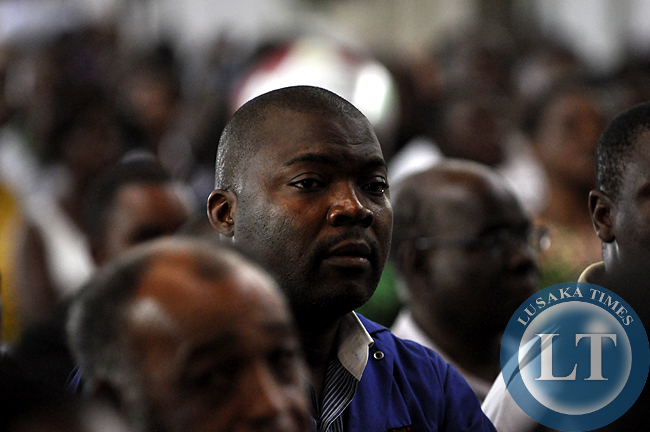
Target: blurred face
143 212
150 98
315 211
569 134
215 353
475 131
93 145
479 287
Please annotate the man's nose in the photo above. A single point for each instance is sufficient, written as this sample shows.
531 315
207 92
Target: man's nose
348 207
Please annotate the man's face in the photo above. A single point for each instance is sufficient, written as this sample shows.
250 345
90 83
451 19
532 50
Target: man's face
314 209
475 130
143 212
479 287
632 217
215 353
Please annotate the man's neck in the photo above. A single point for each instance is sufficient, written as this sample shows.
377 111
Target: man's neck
631 283
318 343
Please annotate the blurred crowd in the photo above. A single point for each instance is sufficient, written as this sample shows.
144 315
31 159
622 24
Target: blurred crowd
90 129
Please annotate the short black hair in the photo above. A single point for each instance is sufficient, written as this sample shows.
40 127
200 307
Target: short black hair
616 146
139 169
240 139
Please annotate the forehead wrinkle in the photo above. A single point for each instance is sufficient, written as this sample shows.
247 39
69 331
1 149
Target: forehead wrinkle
452 199
475 203
311 158
327 160
319 127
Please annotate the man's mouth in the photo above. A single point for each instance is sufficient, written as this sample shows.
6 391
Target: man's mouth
350 253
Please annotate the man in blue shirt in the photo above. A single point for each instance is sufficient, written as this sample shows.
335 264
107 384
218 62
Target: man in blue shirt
301 184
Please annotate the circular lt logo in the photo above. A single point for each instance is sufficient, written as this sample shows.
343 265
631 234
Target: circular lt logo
575 356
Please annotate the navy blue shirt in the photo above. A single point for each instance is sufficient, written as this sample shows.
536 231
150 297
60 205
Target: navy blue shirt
408 388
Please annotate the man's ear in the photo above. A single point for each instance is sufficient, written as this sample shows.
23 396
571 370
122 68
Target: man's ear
221 211
603 212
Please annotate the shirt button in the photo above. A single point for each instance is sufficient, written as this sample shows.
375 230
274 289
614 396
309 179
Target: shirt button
378 355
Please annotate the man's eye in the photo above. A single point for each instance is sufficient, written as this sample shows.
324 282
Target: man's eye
308 183
376 188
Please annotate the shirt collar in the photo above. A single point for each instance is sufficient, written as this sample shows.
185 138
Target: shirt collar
405 327
593 273
354 344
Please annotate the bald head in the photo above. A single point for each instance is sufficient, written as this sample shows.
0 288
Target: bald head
241 138
95 323
177 331
446 190
462 243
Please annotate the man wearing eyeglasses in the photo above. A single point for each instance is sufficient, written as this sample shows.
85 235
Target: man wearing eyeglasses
466 252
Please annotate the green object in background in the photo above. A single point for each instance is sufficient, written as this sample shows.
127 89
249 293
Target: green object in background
386 303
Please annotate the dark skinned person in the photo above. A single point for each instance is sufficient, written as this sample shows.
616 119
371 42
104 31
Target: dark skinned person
301 184
182 336
620 213
465 249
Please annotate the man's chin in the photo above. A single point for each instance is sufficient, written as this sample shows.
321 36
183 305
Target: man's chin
330 310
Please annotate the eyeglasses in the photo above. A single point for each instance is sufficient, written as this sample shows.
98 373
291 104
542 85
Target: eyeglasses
497 240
